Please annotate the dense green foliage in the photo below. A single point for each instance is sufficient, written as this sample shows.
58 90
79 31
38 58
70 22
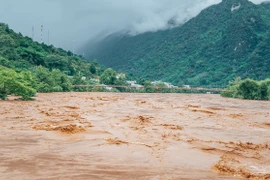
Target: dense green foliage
51 81
28 66
16 83
110 77
17 51
248 89
212 48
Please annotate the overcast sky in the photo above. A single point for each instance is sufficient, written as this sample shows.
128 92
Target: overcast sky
72 22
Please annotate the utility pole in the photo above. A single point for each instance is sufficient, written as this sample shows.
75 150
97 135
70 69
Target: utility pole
33 33
73 47
48 37
41 35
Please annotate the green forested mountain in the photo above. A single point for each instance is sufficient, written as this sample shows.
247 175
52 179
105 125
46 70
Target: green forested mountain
27 67
17 51
224 41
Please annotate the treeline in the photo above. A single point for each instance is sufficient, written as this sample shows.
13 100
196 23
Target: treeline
248 89
26 83
27 67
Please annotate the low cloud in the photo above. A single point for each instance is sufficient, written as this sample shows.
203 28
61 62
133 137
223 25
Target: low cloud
72 22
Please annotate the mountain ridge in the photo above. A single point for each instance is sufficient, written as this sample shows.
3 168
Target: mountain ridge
224 41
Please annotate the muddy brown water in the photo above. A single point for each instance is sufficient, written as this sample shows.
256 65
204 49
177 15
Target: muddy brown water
134 136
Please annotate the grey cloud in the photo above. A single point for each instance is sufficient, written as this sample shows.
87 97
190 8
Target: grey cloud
72 22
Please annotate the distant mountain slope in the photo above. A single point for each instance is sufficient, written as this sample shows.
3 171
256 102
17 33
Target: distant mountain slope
224 41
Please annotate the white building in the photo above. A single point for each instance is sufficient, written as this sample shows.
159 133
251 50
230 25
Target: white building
168 85
133 84
186 86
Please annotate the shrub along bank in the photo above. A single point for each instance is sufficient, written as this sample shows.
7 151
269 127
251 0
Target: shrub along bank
248 89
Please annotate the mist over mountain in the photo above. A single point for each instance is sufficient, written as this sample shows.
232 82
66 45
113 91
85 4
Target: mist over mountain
224 41
71 23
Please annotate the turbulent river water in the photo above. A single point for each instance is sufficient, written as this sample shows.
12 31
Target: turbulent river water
134 136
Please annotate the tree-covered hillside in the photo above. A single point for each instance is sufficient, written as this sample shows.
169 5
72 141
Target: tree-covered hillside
27 67
224 41
17 51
